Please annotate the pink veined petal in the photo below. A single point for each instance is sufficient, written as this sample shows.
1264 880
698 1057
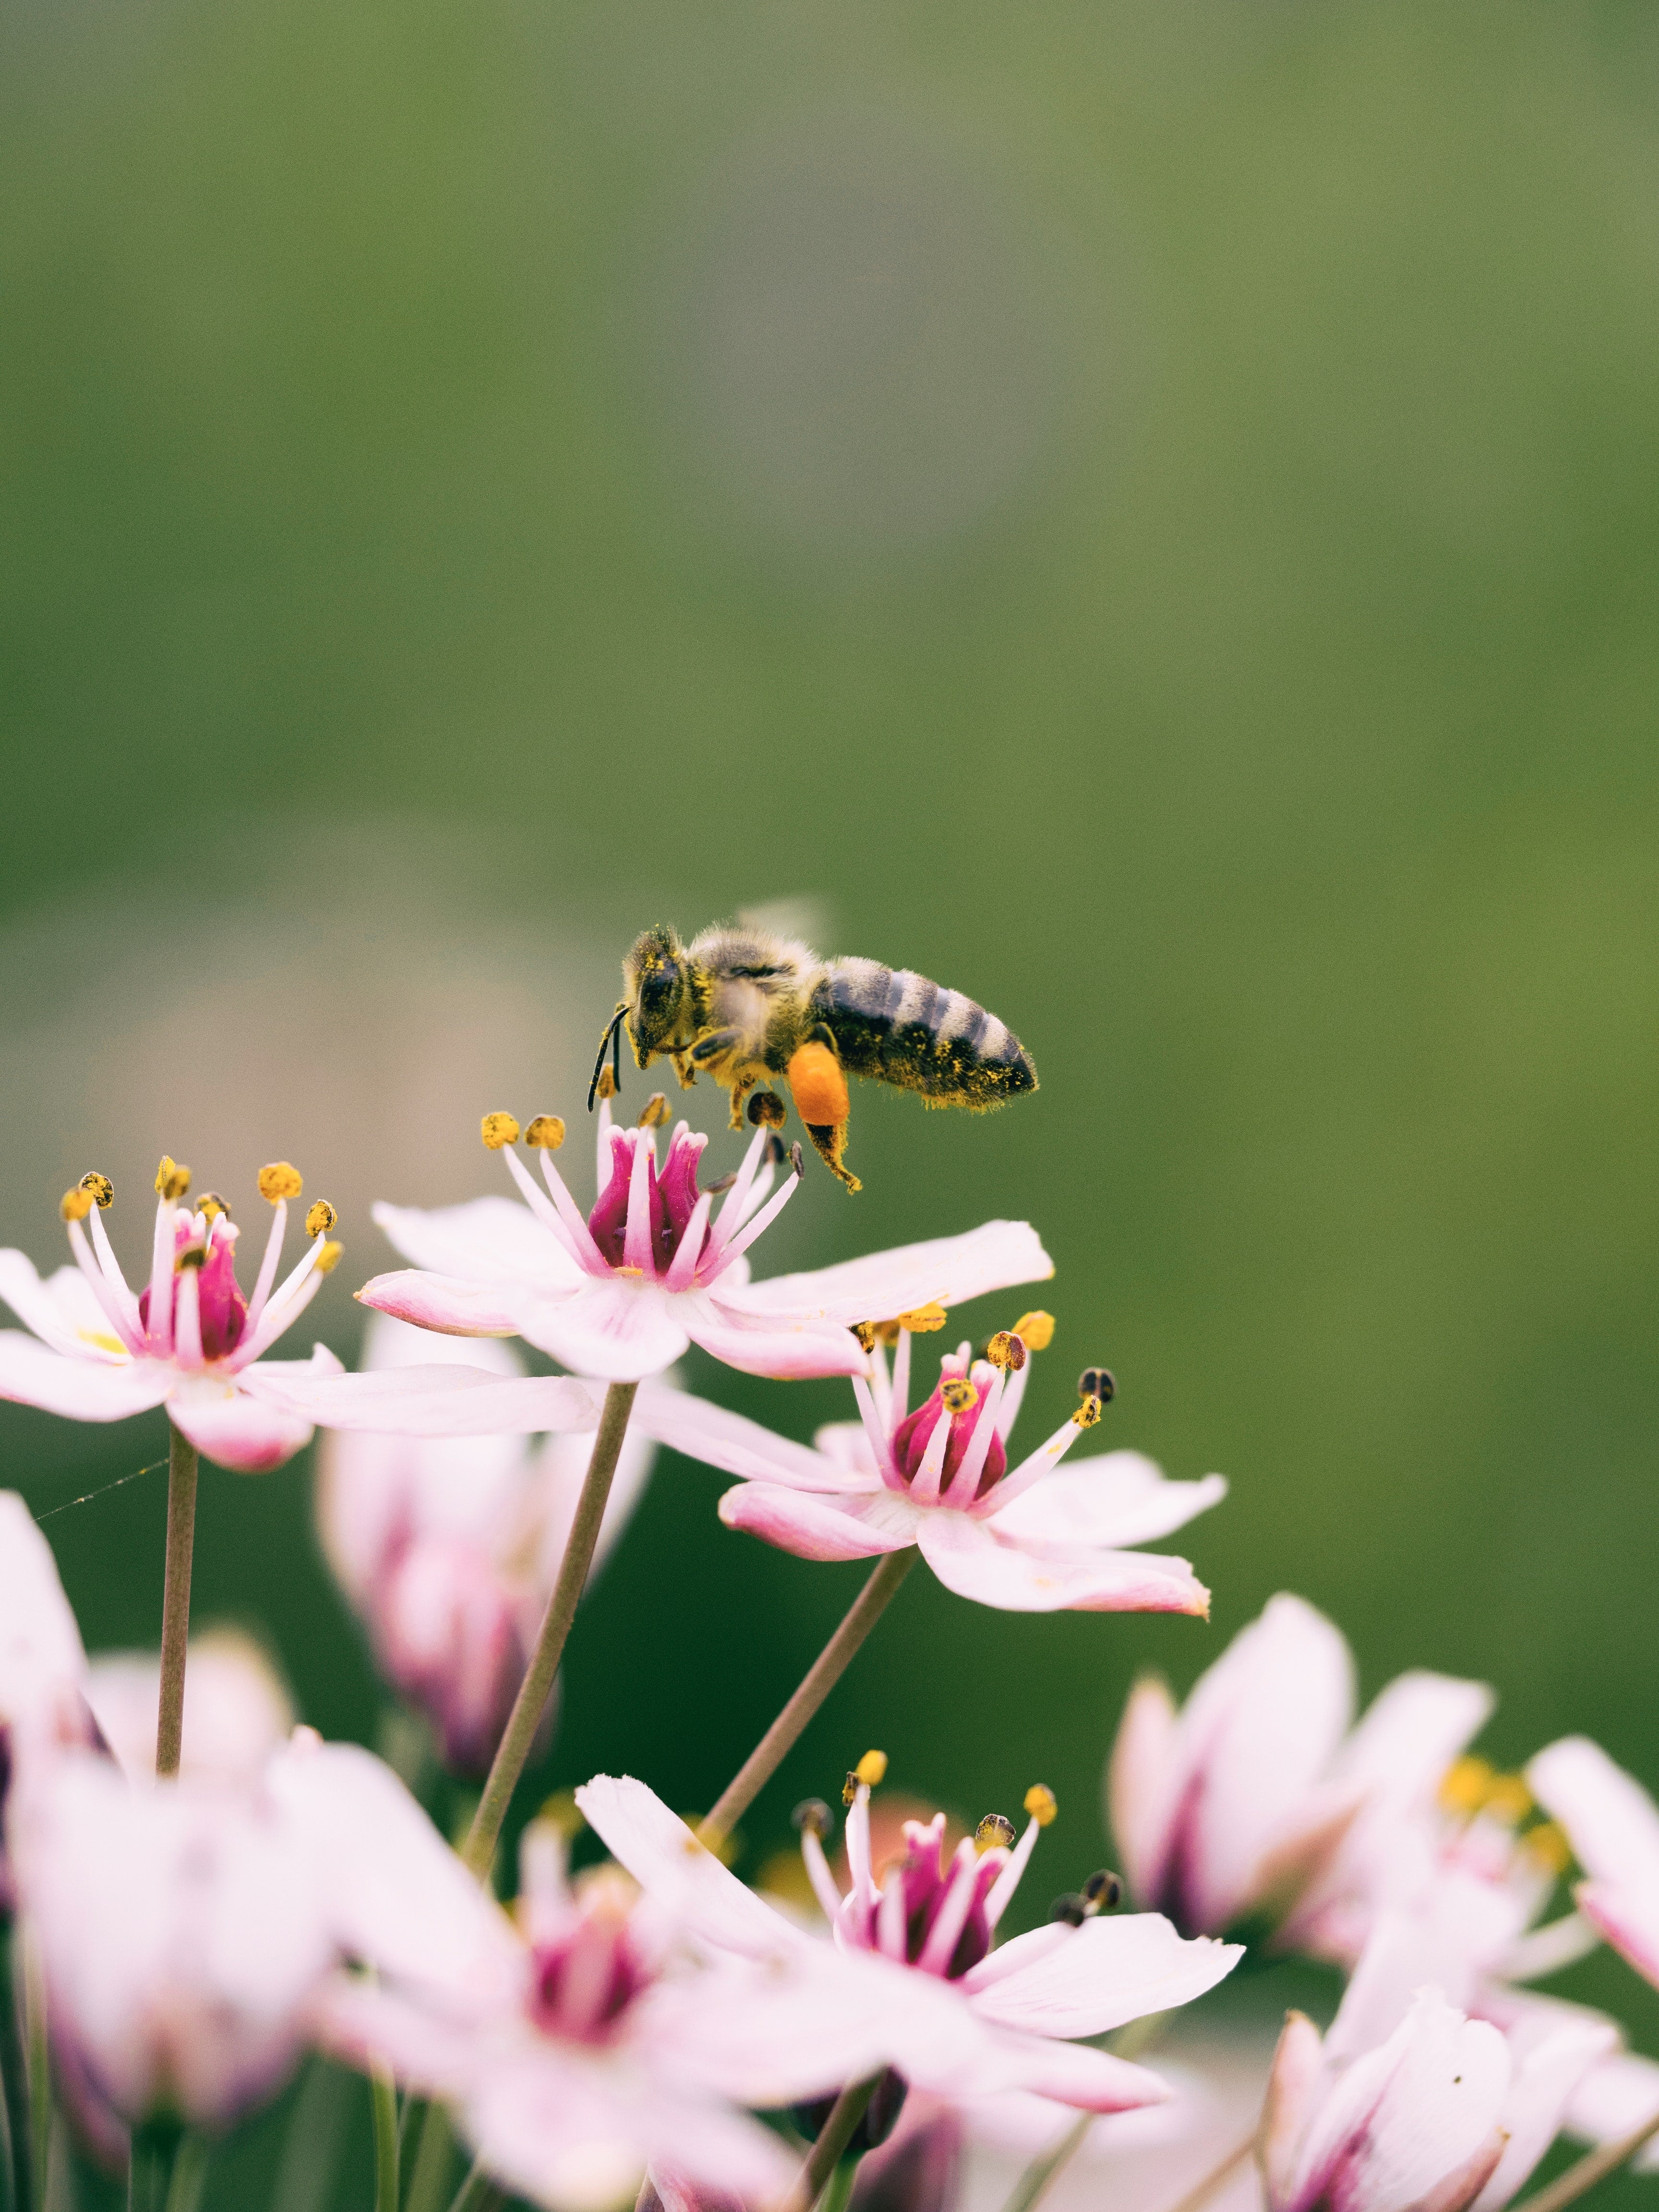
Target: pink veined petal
1294 2086
234 1429
1610 1820
1628 1917
1069 2074
434 2053
1548 2069
1118 1499
1411 1732
1137 1798
786 1350
945 1270
620 1330
814 1527
1409 2118
80 1389
736 1446
642 1834
437 1401
491 1240
967 1558
62 1311
1110 1971
447 1303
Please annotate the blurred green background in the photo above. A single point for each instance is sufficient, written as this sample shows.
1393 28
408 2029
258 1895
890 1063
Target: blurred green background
1148 511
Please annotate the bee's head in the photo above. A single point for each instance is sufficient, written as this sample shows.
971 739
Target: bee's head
658 981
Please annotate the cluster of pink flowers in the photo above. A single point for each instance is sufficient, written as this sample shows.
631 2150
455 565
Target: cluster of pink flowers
647 2026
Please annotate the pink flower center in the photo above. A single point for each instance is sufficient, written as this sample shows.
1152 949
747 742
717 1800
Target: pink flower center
673 1195
587 1979
965 1397
223 1308
927 1876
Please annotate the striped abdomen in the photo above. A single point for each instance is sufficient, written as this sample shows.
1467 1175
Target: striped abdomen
898 1027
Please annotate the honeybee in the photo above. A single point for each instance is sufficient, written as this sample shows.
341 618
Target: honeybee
746 1006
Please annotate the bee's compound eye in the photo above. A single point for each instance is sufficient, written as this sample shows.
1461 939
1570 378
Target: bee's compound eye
767 1110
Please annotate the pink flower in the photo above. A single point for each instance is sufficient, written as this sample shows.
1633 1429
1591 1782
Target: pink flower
448 1547
237 1710
1024 1538
185 1929
1612 1824
1407 2103
594 2047
43 1665
651 1269
910 1972
192 1341
1258 1794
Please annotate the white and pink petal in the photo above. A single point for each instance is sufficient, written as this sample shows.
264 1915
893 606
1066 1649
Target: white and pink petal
815 1527
969 1557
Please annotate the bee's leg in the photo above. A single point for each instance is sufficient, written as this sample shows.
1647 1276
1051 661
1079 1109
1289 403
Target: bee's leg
683 1068
741 1087
829 1142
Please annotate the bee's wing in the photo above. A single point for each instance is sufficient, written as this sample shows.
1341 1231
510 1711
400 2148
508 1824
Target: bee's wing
807 919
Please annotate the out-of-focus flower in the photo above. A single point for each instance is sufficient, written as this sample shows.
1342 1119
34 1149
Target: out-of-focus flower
237 1708
1612 1824
43 1666
1255 1795
1025 1538
192 1341
595 2047
911 1963
449 1548
621 1293
185 1929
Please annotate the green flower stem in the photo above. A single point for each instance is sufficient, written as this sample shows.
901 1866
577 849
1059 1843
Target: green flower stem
175 1599
13 2067
513 1751
477 2193
1039 2175
383 2099
826 1670
1568 2187
827 2152
189 2175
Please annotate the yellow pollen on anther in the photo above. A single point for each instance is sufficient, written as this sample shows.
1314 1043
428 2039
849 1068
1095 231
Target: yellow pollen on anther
655 1111
212 1206
872 1769
1035 1330
1040 1803
958 1396
320 1218
627 1271
102 1189
75 1205
606 1085
1006 1351
922 1320
1087 1413
1548 1843
545 1134
887 1332
279 1181
1465 1784
171 1179
995 1832
866 1332
498 1130
328 1258
1509 1800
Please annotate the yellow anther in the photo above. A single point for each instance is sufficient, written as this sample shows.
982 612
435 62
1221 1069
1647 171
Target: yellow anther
1465 1785
994 1832
887 1332
872 1769
1035 1330
1509 1800
280 1180
328 1258
923 1320
102 1189
958 1396
545 1134
1040 1803
1088 1412
171 1180
655 1111
320 1218
1548 1843
212 1206
606 1085
75 1205
498 1130
1006 1351
866 1332
561 1811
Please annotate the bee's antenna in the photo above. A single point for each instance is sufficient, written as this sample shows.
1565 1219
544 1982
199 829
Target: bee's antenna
611 1042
